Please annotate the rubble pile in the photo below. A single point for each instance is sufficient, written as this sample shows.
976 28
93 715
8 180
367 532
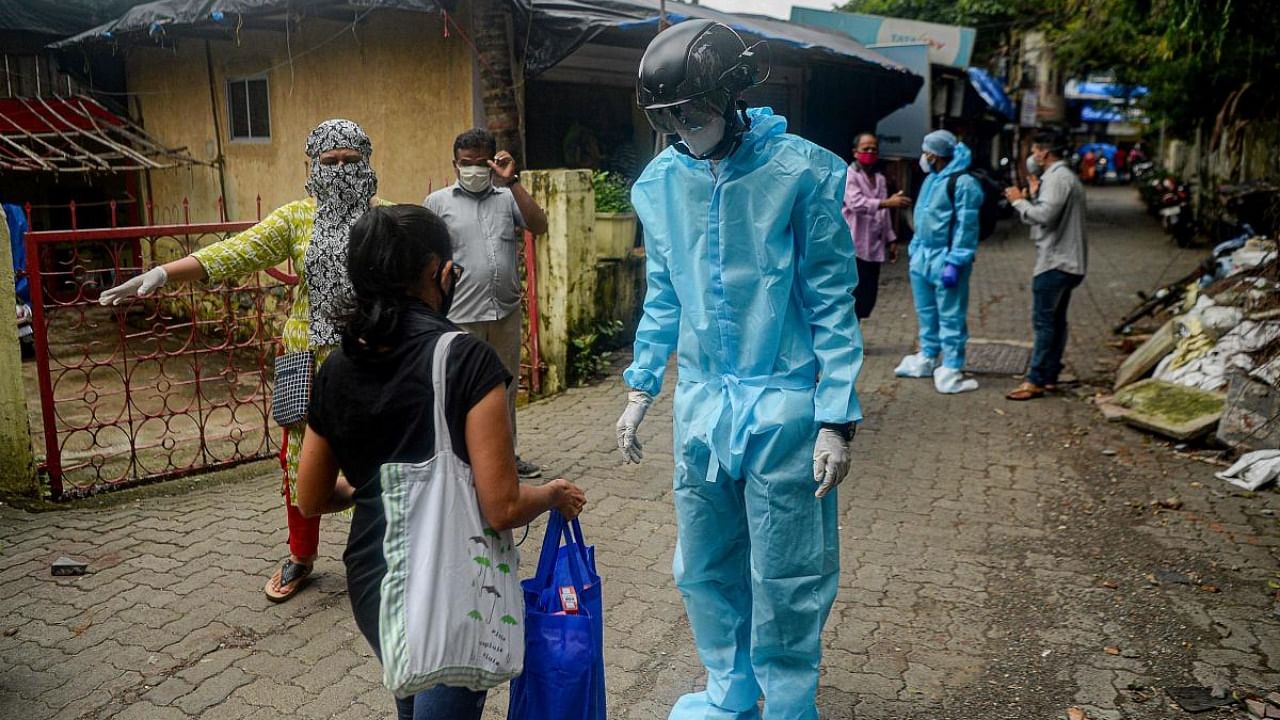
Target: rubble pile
1211 364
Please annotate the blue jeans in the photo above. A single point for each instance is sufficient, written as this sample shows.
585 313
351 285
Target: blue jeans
1051 294
442 703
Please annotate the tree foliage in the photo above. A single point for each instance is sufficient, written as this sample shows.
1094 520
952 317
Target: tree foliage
1190 54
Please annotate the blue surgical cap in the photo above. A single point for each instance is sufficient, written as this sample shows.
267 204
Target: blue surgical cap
940 142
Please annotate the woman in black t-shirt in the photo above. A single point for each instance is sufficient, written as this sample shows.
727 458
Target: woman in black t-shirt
372 404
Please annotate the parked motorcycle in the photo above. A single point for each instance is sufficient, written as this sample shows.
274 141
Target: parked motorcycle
1175 211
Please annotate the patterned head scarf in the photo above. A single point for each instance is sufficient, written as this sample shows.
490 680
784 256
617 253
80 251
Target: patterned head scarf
342 194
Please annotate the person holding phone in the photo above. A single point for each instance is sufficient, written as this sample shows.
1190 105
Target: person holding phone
487 211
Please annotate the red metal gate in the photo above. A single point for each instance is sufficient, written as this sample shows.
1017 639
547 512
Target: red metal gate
157 388
176 384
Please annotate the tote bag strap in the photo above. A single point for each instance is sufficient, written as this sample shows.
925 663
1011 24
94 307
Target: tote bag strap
443 441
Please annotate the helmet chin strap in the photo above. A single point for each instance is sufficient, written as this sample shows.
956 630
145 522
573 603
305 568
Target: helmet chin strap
736 125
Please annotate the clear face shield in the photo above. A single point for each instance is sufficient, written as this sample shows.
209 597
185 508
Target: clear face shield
701 121
686 116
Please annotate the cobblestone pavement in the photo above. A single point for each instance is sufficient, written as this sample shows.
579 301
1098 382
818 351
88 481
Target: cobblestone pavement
1000 560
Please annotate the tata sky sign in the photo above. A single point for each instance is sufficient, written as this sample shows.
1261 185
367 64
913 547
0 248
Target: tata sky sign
948 44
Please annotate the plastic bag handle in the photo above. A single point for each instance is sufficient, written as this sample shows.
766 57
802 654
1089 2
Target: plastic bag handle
546 558
561 529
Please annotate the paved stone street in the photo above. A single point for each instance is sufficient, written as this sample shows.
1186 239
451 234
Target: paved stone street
997 563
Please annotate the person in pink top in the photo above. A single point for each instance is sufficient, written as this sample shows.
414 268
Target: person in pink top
867 203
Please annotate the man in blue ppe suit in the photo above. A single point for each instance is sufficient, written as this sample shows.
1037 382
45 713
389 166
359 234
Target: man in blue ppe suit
750 275
941 260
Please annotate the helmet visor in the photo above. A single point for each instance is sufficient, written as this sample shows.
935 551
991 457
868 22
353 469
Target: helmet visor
689 116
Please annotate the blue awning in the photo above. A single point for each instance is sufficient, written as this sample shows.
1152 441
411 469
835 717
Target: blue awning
1102 113
991 92
1086 90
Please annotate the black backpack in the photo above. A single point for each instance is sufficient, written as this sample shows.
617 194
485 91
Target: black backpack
992 197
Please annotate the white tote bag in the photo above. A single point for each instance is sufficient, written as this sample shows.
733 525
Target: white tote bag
452 611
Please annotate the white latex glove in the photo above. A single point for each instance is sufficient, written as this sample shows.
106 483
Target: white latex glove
140 286
830 460
638 403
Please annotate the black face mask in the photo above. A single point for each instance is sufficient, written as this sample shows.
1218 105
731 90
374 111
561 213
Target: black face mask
446 298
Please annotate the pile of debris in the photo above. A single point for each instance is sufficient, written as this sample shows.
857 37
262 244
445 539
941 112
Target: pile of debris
1211 365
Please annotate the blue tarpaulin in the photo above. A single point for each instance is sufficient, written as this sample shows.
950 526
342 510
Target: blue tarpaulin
16 219
991 92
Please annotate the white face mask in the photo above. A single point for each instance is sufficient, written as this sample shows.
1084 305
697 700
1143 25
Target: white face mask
925 165
474 178
703 140
1034 167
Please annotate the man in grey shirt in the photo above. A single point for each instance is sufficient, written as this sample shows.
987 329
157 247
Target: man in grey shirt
1055 211
486 211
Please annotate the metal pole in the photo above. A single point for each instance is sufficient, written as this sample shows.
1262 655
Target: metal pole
662 15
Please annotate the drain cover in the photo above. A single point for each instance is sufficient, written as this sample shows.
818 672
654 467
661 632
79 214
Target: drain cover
997 358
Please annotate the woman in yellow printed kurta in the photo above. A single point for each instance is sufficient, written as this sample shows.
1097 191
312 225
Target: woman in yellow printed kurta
312 233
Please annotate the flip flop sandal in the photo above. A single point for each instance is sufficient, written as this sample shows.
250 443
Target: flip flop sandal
1025 391
287 581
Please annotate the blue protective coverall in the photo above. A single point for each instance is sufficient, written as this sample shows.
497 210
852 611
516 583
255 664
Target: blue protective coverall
750 274
940 311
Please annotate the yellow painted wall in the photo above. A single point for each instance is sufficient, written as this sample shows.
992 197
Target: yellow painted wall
396 75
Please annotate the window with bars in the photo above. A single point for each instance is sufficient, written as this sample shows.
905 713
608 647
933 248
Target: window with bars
249 109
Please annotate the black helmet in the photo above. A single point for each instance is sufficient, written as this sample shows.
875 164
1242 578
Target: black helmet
693 59
696 60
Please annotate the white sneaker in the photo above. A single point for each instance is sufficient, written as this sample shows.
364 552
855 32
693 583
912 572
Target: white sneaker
950 381
915 366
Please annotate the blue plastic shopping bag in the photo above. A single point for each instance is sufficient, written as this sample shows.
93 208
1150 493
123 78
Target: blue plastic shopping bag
563 675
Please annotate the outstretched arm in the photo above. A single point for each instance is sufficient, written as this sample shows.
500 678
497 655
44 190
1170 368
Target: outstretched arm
264 245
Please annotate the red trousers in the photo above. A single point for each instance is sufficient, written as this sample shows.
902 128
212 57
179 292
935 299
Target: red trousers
304 532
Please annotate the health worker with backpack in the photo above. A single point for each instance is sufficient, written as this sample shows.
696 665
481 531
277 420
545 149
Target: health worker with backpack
947 220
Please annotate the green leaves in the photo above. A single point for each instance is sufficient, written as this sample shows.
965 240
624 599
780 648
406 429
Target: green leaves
612 195
483 561
475 615
1190 54
507 620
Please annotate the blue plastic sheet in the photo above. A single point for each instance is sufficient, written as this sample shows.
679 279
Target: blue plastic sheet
17 221
563 675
